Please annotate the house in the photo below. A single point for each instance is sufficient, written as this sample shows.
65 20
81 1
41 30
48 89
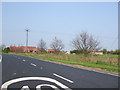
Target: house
67 52
96 53
52 50
31 49
23 49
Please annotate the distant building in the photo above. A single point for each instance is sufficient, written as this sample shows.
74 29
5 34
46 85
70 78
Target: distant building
96 53
52 50
23 49
67 52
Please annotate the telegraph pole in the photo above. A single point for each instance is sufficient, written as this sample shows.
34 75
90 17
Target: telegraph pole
27 30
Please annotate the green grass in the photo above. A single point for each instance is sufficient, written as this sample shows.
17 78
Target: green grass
105 62
99 64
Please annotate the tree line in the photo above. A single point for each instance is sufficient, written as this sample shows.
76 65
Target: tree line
83 43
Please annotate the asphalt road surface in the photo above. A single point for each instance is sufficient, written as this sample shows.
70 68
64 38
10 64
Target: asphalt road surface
24 73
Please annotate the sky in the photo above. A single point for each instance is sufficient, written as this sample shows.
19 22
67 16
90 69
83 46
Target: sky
63 20
0 23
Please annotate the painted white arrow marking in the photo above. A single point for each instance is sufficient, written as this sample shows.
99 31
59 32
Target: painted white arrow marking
6 84
25 88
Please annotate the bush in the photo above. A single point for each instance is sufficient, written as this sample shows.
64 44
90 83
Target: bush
81 51
6 50
104 51
101 62
116 52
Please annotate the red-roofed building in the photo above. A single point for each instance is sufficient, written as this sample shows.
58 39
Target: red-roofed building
23 49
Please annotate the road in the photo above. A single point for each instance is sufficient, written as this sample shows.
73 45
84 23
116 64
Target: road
25 73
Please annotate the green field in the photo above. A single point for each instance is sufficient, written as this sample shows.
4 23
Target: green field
105 62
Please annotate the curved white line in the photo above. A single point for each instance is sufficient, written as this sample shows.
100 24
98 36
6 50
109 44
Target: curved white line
0 58
39 86
6 84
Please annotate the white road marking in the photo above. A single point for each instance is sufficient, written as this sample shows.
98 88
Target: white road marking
24 60
8 83
14 73
25 88
41 67
63 78
39 86
0 58
33 64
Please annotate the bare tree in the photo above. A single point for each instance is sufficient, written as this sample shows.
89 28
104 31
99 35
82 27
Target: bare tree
57 44
85 42
42 45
